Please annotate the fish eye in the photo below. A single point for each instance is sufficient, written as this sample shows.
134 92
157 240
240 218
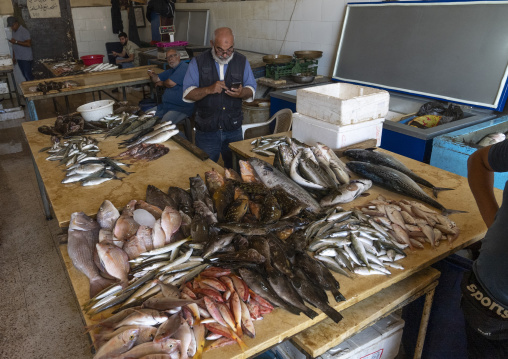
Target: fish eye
152 336
132 337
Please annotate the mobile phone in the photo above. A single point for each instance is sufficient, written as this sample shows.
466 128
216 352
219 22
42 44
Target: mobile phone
235 85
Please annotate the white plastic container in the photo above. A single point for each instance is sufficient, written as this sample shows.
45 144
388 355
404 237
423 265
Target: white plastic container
379 341
5 60
342 103
311 130
94 111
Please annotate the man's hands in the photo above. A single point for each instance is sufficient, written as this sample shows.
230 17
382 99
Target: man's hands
12 41
216 87
114 53
235 92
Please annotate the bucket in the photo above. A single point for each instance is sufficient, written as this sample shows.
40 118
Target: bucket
256 111
92 59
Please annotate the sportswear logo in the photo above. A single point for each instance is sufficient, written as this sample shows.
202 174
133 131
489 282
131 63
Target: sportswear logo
487 302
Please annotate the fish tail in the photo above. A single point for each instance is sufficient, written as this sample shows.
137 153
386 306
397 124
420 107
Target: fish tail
310 313
332 314
447 212
338 295
240 342
436 190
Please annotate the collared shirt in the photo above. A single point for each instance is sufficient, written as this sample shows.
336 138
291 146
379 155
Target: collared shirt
22 52
172 97
132 48
191 80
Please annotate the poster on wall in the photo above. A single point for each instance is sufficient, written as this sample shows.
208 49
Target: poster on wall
39 9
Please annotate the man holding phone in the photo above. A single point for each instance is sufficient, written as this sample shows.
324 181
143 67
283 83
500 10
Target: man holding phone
218 80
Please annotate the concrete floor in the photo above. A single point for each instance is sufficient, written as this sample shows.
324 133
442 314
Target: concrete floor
39 315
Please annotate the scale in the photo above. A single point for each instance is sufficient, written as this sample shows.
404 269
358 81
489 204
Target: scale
303 62
179 46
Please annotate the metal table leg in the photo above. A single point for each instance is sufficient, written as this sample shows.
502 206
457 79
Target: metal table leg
31 110
423 324
124 94
15 87
67 104
234 158
42 190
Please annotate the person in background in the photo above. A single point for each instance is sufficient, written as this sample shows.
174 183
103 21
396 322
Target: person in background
172 108
129 56
485 289
21 47
160 13
217 81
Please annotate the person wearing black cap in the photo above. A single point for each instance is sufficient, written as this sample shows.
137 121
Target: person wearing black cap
21 47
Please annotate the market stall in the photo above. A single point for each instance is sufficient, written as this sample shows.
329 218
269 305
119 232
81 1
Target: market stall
78 84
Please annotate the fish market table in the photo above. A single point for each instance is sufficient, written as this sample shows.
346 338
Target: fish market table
402 284
89 82
173 169
60 68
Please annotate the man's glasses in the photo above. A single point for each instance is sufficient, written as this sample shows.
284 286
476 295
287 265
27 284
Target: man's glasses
229 51
171 56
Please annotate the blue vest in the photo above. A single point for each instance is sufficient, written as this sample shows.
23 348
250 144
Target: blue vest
219 111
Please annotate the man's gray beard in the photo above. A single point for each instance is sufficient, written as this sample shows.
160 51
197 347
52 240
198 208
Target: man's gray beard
218 60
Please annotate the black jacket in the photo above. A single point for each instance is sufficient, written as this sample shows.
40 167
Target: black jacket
164 8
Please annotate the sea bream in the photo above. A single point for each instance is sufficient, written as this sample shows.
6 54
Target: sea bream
82 237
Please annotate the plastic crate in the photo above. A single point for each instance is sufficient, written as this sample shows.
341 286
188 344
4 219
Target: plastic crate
342 103
311 130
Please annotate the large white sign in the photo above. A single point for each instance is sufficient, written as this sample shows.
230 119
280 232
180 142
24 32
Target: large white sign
43 8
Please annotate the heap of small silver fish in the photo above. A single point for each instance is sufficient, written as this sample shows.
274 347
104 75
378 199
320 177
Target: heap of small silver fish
91 171
73 150
100 67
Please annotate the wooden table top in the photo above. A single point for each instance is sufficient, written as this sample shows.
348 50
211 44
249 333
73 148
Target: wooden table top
280 325
93 81
173 169
244 148
7 68
57 71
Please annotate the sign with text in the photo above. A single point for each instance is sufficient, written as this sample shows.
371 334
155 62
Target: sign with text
43 8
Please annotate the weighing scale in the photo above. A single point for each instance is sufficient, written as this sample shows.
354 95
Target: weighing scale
178 45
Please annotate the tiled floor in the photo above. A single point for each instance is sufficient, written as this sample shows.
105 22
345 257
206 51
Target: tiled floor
39 316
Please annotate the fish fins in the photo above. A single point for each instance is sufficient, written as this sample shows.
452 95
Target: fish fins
371 149
447 212
332 313
365 194
99 284
310 313
338 295
436 190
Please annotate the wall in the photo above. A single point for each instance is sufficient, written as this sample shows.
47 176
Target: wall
261 26
93 29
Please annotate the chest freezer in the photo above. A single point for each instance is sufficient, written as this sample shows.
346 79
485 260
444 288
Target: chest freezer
452 52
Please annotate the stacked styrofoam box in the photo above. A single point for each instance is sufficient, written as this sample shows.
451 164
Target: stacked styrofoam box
3 87
379 341
5 60
340 114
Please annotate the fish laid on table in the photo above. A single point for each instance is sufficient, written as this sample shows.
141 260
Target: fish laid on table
380 158
83 235
146 152
491 139
395 181
346 193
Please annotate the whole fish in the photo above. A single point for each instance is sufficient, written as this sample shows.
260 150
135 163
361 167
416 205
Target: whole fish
199 192
171 221
270 211
82 237
114 260
222 198
214 180
118 344
346 193
182 199
491 139
236 210
156 197
216 243
247 172
383 159
126 226
395 181
273 178
167 346
168 328
107 215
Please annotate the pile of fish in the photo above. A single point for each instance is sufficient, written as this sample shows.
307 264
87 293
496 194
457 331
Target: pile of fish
155 133
66 125
145 152
100 67
492 138
71 151
91 171
47 86
129 124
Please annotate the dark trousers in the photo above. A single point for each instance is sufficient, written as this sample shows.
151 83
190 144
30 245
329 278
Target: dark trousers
26 69
217 143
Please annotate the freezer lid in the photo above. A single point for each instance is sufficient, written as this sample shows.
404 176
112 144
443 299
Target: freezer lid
453 51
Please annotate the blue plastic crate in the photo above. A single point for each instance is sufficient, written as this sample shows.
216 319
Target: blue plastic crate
451 151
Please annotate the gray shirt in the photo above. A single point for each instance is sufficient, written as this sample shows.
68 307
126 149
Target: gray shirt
491 267
22 52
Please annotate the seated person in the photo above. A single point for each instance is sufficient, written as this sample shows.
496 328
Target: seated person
129 56
172 108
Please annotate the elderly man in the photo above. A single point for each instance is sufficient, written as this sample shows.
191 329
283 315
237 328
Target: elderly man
173 108
129 56
217 81
21 47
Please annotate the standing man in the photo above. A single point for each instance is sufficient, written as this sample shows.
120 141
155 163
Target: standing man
160 13
21 47
217 81
485 289
172 108
129 56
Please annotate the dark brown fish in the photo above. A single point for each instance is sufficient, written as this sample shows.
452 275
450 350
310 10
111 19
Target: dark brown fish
290 205
202 210
216 243
222 198
242 256
260 244
278 257
271 211
236 210
199 192
214 181
158 198
183 199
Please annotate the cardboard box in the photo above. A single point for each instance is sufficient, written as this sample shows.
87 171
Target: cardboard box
311 130
342 103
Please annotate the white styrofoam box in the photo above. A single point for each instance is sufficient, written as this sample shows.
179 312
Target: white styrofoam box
379 341
5 60
3 87
311 130
342 103
11 113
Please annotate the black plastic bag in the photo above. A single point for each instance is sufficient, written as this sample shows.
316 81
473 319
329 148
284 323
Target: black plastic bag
449 114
